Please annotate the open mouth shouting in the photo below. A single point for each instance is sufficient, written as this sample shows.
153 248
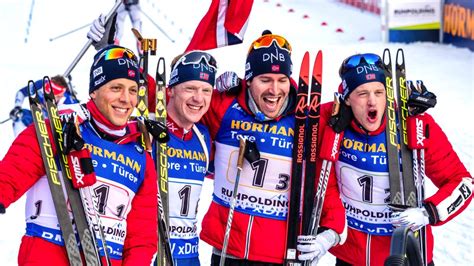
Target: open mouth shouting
271 103
372 116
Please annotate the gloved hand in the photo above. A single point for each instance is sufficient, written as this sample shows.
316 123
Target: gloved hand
414 218
100 33
312 248
158 130
228 82
420 98
16 113
71 139
342 114
2 209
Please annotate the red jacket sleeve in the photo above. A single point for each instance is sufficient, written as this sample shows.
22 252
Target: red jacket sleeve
219 104
23 154
142 222
449 175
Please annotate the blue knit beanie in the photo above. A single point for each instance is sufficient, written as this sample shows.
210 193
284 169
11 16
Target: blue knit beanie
194 65
363 73
272 59
113 62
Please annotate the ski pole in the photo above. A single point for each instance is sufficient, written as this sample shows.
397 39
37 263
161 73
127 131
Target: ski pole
88 44
30 16
329 153
69 32
164 242
6 120
418 141
240 162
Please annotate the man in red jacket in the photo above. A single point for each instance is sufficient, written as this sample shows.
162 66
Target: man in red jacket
126 176
364 181
262 112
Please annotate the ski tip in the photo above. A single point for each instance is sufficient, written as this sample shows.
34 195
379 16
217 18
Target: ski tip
306 56
400 58
320 54
318 68
47 89
386 58
304 70
161 69
31 88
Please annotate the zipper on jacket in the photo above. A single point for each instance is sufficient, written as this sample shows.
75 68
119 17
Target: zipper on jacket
367 250
247 238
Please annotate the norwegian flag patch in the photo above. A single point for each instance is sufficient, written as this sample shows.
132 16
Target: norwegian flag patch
370 76
204 76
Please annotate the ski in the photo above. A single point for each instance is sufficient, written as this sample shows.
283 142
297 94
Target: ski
240 163
396 194
164 257
148 48
406 190
409 188
312 142
142 105
53 177
293 219
81 200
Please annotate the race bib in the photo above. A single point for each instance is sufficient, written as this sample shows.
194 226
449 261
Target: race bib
263 187
365 196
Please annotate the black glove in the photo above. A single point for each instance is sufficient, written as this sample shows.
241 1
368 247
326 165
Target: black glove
72 140
2 209
229 82
16 113
158 130
342 114
420 98
251 153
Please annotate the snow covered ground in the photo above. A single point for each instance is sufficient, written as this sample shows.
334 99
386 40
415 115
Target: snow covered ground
445 69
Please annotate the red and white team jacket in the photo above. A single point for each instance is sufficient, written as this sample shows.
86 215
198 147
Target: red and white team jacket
362 176
259 224
130 230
